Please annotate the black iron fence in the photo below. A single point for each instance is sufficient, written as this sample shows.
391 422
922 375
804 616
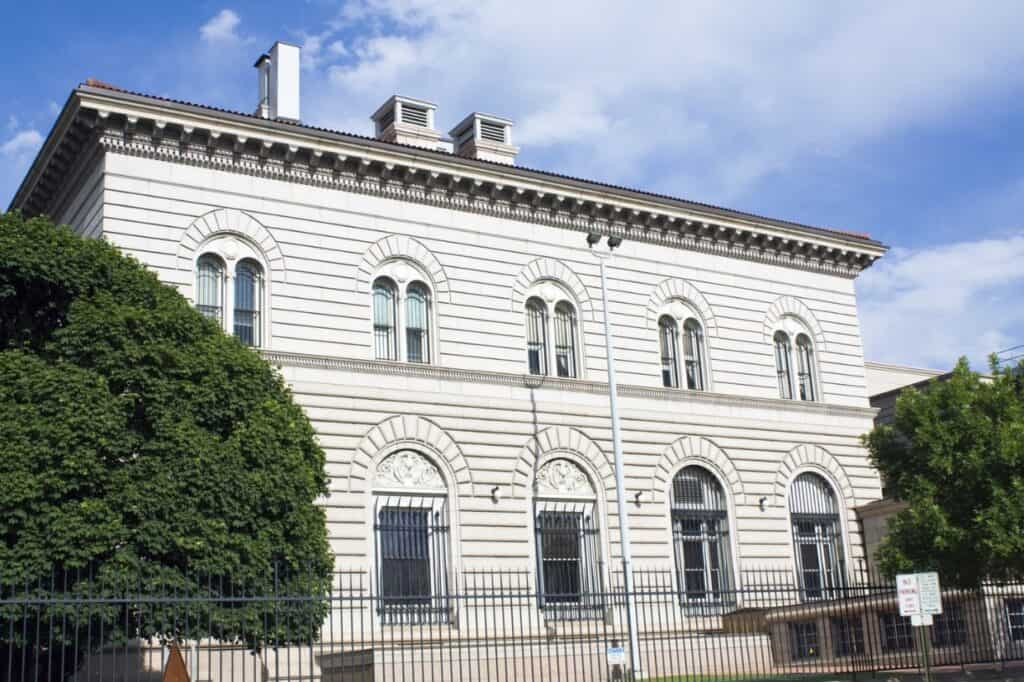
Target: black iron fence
494 627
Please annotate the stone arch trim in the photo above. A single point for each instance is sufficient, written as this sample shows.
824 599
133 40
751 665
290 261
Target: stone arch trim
676 288
813 457
403 247
236 222
562 439
790 306
416 433
551 269
702 452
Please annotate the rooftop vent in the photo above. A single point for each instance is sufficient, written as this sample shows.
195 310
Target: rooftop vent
485 137
279 82
407 121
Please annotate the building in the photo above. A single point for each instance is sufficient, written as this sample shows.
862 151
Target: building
438 312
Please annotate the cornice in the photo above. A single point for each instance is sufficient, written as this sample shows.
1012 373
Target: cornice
529 381
258 148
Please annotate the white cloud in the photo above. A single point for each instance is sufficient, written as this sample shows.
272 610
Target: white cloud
739 91
221 28
930 306
22 143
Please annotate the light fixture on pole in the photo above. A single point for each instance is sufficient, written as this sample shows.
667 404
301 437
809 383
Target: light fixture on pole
593 239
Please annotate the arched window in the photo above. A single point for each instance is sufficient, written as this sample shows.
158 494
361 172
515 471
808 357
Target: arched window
565 339
817 536
667 332
805 367
210 287
411 537
693 354
417 323
248 300
700 536
385 319
536 336
782 365
568 542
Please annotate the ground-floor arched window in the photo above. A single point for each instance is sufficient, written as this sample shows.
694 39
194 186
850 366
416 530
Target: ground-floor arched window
817 537
700 537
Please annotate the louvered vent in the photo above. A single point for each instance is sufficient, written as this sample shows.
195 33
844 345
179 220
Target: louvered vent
414 115
489 130
386 119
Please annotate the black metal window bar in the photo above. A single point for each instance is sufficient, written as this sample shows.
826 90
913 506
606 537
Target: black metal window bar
385 319
210 287
817 538
700 538
782 366
803 638
417 323
847 636
667 332
568 561
693 354
536 336
412 560
1015 619
895 632
805 367
565 339
248 295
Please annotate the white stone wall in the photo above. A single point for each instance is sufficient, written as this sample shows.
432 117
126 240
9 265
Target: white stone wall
474 412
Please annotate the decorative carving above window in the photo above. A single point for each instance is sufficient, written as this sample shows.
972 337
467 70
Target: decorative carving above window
408 469
560 477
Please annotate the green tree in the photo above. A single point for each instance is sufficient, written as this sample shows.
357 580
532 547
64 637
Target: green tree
955 454
143 450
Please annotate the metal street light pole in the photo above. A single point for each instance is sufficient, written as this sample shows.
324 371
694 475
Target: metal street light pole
620 485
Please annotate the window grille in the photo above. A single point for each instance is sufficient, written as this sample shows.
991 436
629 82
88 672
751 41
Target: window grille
700 537
803 637
248 295
565 339
210 287
417 323
817 537
412 559
568 560
667 331
1015 619
693 354
805 367
895 632
949 628
536 336
385 319
782 366
847 637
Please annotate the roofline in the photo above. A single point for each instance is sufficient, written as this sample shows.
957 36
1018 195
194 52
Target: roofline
454 162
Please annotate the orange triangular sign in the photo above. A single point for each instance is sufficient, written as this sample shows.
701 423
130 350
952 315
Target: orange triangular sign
175 670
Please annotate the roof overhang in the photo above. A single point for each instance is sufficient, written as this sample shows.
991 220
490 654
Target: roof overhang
123 122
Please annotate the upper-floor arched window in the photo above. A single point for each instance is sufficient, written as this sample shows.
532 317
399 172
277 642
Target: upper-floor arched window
801 384
700 535
248 302
417 323
385 319
403 315
562 327
694 357
817 536
210 286
236 299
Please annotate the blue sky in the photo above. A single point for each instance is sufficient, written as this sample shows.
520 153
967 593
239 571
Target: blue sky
901 119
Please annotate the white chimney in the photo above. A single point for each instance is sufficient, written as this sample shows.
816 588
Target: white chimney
407 121
485 137
279 82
